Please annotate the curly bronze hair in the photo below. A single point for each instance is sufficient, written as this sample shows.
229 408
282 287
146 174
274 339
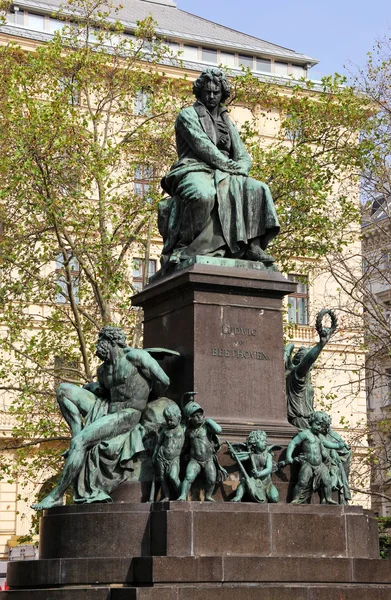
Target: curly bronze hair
215 75
172 410
115 335
254 436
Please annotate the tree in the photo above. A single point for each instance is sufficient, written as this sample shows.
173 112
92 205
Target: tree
71 220
364 273
78 118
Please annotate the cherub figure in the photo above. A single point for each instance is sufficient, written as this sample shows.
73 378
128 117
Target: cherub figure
339 461
257 484
314 472
203 443
167 452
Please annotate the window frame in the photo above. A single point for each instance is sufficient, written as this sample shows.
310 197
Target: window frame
297 297
138 280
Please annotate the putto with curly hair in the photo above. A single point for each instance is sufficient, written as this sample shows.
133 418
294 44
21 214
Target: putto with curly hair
216 76
254 436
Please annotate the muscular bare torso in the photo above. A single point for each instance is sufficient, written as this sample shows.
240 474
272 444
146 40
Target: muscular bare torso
312 448
172 443
125 383
201 447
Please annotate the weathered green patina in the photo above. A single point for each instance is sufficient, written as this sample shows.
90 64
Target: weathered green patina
203 445
299 390
338 460
214 208
104 418
314 474
167 452
256 483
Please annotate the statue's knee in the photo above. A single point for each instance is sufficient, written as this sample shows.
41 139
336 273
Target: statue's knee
190 476
63 390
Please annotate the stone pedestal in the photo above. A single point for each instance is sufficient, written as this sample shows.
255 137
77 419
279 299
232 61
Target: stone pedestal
227 324
202 551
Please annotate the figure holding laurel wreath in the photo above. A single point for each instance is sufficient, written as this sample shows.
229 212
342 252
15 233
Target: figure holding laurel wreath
299 390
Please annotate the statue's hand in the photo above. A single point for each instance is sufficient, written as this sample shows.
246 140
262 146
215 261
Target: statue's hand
234 168
325 333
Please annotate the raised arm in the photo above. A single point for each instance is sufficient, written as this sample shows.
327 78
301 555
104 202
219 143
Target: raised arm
149 367
325 334
308 359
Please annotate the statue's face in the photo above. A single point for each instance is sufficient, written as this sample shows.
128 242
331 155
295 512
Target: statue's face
173 421
211 95
197 418
316 426
260 444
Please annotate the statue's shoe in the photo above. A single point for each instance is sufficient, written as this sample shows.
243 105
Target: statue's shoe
257 254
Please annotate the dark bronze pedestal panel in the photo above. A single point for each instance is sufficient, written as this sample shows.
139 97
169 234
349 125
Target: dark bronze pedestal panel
227 324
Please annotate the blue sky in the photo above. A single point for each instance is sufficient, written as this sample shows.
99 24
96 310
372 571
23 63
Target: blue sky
337 33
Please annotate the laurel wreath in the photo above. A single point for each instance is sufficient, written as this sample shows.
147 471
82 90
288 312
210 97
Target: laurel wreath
319 322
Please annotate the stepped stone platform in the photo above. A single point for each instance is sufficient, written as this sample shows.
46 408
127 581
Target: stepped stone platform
195 550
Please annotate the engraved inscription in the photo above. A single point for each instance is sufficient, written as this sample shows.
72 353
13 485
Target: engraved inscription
236 353
236 330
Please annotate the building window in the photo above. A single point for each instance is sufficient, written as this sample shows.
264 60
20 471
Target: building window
62 296
246 61
143 177
174 48
19 17
280 68
227 59
36 22
139 272
385 260
141 103
55 25
190 52
264 65
209 56
298 71
298 302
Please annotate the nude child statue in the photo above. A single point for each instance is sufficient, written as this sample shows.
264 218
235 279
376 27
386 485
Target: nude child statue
167 452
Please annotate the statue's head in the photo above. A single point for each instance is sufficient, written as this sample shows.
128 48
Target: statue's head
194 413
172 415
211 82
257 440
300 354
318 420
325 421
108 338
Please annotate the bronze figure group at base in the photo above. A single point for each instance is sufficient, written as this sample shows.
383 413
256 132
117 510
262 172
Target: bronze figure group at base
111 420
197 439
216 209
